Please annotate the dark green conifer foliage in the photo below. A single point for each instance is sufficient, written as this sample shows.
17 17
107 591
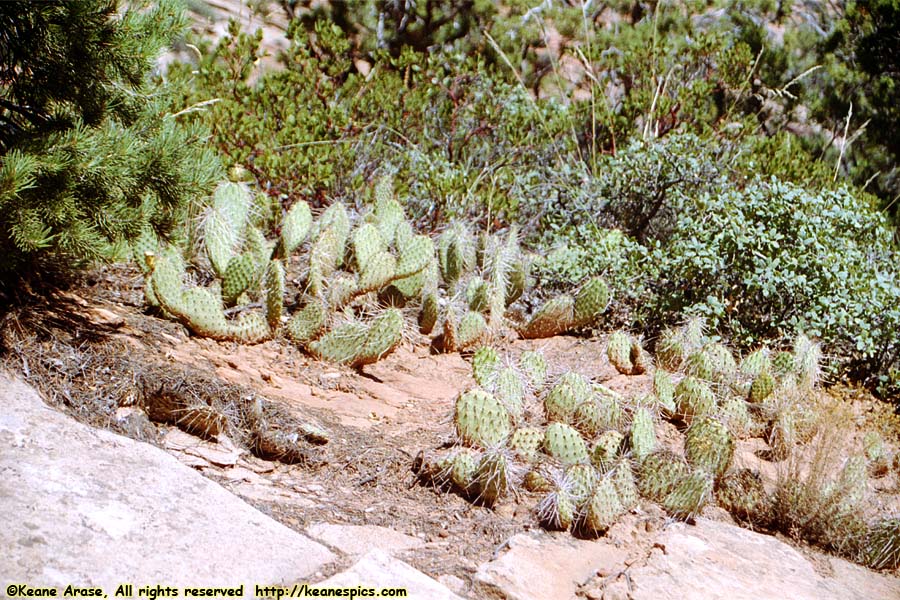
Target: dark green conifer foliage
91 149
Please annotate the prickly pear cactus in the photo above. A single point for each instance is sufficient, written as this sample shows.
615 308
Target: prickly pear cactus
590 302
603 508
665 392
294 227
693 398
472 329
606 450
492 478
428 314
556 316
525 442
742 493
308 323
618 350
565 444
507 386
485 364
659 472
643 434
689 495
560 403
756 362
709 445
557 510
481 420
534 366
762 387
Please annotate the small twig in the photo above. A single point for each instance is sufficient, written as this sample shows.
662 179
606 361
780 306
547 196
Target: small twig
837 167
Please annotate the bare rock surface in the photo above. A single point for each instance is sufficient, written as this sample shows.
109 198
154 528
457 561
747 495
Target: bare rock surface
89 507
545 565
357 540
378 569
720 560
709 560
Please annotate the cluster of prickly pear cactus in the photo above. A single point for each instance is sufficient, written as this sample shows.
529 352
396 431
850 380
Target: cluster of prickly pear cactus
384 256
764 394
588 452
241 258
568 312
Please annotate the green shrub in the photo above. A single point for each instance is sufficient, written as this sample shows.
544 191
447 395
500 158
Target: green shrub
91 153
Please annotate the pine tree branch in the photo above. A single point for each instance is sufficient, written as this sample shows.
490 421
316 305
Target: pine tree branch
35 118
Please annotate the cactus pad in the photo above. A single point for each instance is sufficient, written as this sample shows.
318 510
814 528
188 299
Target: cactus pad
481 420
553 318
565 444
709 445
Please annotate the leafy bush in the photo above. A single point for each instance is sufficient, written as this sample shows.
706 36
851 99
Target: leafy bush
90 152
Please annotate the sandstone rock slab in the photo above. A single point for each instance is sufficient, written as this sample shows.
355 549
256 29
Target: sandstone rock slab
357 540
542 565
720 560
89 507
379 570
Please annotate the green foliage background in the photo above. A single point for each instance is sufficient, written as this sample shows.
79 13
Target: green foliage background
693 153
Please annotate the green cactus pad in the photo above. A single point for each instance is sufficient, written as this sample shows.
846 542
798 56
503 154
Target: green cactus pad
723 364
507 386
539 478
560 403
619 352
341 344
428 314
763 386
367 242
689 495
643 434
534 366
590 302
693 398
665 391
603 509
295 227
526 442
742 494
472 330
518 281
606 450
383 335
783 363
659 472
579 482
557 511
238 277
756 362
700 365
415 256
307 324
481 420
250 328
478 295
379 271
736 415
625 484
492 479
670 350
565 444
464 468
553 318
485 364
709 445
